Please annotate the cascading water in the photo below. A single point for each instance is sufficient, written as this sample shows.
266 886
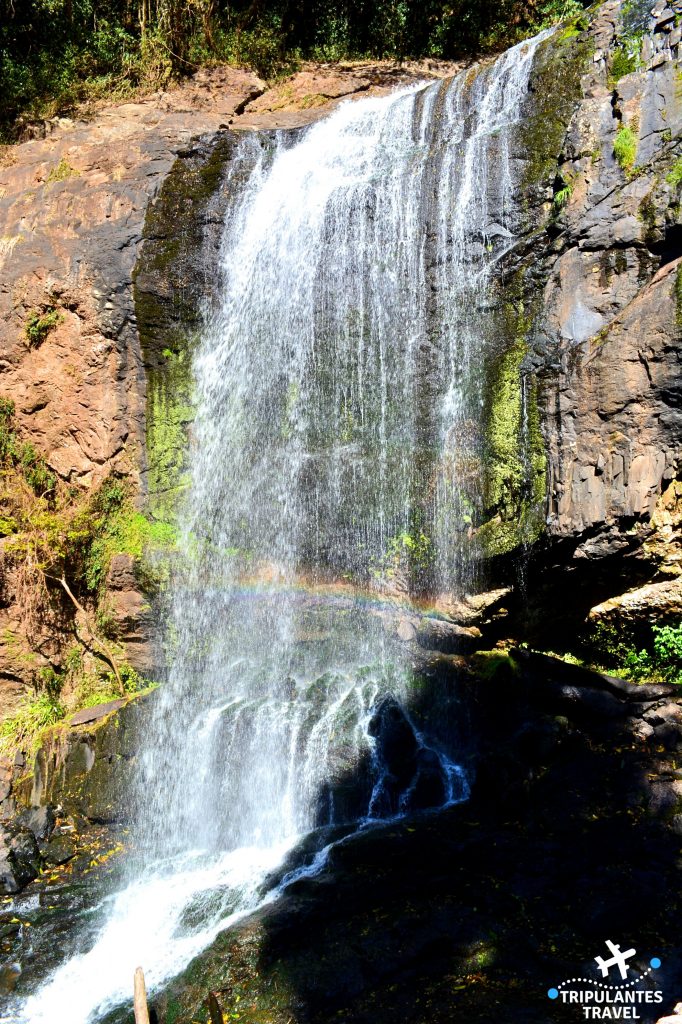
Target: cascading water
336 385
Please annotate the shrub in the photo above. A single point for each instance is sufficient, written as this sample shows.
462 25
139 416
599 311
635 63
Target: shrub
663 661
668 652
624 61
561 198
37 326
625 147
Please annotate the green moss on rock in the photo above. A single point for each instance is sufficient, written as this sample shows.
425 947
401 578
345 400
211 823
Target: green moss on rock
555 92
169 282
514 461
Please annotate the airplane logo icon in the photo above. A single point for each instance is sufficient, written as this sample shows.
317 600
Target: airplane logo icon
618 960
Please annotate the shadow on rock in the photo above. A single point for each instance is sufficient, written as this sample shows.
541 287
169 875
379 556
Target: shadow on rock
472 912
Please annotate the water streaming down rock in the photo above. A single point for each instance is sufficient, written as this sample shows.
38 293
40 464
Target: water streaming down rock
336 385
333 383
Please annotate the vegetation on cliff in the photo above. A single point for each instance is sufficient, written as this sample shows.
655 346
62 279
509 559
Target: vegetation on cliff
57 542
57 53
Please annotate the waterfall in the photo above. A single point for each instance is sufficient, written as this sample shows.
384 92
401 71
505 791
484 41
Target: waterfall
338 399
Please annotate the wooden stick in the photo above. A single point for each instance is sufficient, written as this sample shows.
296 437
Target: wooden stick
140 998
215 1013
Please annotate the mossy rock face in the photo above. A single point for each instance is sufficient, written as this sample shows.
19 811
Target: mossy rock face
514 462
173 283
555 92
86 769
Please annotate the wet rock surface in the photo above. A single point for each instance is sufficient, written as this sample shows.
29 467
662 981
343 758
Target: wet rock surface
469 913
501 898
576 804
82 768
74 201
20 860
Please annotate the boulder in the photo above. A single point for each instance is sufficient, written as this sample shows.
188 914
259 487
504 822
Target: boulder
429 788
20 860
396 743
655 601
59 849
447 637
39 820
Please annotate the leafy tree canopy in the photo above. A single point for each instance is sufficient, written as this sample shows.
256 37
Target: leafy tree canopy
56 53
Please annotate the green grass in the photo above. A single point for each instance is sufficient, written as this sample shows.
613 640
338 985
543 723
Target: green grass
33 715
625 147
38 325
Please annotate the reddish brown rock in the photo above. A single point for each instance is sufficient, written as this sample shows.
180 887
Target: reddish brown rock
316 86
72 209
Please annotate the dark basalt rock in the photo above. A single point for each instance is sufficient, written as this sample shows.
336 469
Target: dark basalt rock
96 712
59 850
429 786
39 820
20 860
397 744
447 637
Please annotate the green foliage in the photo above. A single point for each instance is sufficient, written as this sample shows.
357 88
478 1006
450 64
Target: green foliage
38 325
67 532
667 654
37 475
625 60
99 688
23 728
7 434
58 53
22 457
417 545
561 198
625 147
73 662
409 552
118 528
563 10
50 682
661 660
674 177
